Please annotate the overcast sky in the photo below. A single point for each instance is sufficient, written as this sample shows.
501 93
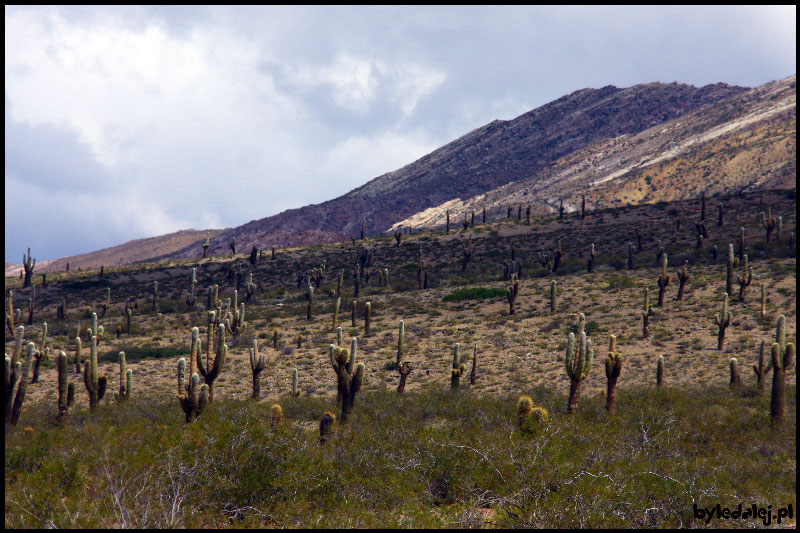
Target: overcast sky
131 122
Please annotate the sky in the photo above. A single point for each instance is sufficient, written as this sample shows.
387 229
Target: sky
131 122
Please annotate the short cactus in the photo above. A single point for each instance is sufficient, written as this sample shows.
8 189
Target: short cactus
257 364
275 415
660 371
530 417
325 426
736 379
457 370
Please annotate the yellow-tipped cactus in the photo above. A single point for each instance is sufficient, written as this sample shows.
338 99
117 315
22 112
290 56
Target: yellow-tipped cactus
275 415
457 370
349 376
531 418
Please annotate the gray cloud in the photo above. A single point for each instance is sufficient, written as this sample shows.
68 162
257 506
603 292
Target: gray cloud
126 122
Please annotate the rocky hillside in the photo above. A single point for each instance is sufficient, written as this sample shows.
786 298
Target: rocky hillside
746 141
484 159
139 251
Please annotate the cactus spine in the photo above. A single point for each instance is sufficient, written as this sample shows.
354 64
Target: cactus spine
95 383
723 320
257 364
349 376
663 279
578 362
613 369
457 369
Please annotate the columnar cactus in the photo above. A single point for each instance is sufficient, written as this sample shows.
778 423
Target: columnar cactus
128 317
663 280
211 374
646 312
78 357
763 367
367 319
13 370
404 369
336 313
578 362
420 269
613 369
723 320
125 380
28 264
782 360
40 355
191 299
457 369
473 372
206 244
349 376
192 396
730 266
66 389
745 279
683 277
511 293
17 378
257 364
234 322
295 382
10 312
309 296
736 379
660 371
767 220
553 297
401 337
155 297
94 382
778 236
763 300
590 264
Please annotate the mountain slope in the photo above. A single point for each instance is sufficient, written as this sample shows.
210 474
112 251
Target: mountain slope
491 156
742 142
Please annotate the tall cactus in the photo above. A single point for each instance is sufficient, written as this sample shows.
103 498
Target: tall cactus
578 362
762 368
473 372
66 389
660 371
613 369
723 320
95 383
125 380
192 396
257 364
28 264
663 280
401 337
646 312
745 279
191 299
683 277
349 376
13 411
367 319
767 220
590 264
782 360
730 266
210 375
336 313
